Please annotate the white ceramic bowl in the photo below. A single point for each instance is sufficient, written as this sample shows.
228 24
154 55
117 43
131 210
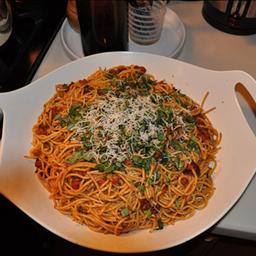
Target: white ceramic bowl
236 159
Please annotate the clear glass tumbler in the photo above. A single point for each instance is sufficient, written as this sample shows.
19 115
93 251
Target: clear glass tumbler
146 20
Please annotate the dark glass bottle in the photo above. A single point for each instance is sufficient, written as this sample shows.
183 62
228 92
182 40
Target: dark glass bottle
103 25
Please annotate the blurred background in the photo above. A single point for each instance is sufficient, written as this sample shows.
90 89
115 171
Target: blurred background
34 26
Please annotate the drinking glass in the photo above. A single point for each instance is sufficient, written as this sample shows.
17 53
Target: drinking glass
146 20
103 25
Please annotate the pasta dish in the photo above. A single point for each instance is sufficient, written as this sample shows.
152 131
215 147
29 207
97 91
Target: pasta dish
121 151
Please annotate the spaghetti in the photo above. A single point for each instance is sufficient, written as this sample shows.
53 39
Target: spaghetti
121 151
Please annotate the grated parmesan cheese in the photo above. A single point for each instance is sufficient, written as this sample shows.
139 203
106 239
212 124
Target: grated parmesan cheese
111 116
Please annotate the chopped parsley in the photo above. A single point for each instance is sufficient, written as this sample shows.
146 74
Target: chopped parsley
129 121
125 212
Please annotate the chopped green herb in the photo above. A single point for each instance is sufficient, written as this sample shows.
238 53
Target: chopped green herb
73 110
76 156
104 159
141 162
146 164
118 165
79 156
167 180
103 91
105 167
125 212
61 120
137 161
179 164
175 145
160 136
177 203
109 75
154 178
148 213
86 142
192 145
141 187
160 224
178 99
130 122
165 158
189 119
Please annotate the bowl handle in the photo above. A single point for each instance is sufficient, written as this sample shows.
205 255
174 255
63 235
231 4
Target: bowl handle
5 97
250 87
246 98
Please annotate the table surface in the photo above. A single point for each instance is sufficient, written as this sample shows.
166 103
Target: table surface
210 48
